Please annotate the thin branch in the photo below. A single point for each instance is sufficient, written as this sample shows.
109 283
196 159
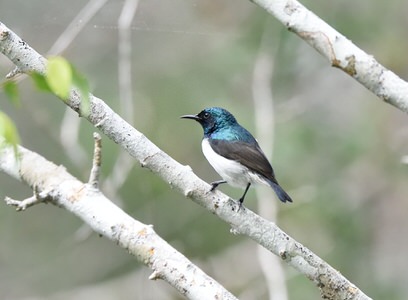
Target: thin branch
56 185
124 163
331 283
38 197
339 51
75 27
125 62
265 124
96 162
70 125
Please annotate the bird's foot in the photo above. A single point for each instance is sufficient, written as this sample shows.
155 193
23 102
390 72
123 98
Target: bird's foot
240 201
216 183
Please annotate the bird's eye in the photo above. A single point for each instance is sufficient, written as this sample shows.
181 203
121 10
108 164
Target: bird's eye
206 115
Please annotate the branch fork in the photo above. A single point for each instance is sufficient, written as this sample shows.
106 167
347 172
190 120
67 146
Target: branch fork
38 197
46 196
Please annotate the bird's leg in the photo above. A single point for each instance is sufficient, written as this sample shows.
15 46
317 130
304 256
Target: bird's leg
216 183
241 200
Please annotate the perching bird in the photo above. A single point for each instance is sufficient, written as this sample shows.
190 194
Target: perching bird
234 153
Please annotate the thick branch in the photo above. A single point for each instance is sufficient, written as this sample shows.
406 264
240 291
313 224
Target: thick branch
339 50
331 283
54 184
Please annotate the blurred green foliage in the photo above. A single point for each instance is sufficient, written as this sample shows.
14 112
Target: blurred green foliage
8 132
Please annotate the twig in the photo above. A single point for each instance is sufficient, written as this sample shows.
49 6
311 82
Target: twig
75 27
125 63
96 161
265 124
124 163
38 197
70 125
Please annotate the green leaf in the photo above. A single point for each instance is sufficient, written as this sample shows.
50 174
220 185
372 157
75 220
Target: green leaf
11 90
8 131
59 76
40 82
82 84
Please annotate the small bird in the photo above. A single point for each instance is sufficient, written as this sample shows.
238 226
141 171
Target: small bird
234 153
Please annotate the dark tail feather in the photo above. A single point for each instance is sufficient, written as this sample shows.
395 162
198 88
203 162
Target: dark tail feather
282 195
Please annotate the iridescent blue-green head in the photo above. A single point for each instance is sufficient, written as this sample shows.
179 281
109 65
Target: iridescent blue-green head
213 119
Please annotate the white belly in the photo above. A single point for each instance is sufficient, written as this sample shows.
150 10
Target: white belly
231 171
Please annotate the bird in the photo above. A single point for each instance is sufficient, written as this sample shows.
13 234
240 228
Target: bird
234 153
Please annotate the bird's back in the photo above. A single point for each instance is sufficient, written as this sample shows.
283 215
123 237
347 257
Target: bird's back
237 143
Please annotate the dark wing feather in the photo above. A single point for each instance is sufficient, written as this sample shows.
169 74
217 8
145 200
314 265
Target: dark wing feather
249 155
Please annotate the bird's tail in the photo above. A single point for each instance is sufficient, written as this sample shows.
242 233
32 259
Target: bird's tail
282 195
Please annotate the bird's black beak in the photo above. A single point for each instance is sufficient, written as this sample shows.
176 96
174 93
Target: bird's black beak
193 117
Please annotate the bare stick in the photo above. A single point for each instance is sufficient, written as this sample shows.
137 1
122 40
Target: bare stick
265 124
96 161
124 163
76 26
38 197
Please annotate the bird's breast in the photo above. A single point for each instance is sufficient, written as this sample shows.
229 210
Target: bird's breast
230 170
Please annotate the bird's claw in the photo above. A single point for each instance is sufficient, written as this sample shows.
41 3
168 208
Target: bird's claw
216 183
240 201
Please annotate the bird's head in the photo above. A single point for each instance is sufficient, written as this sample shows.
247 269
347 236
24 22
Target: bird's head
213 119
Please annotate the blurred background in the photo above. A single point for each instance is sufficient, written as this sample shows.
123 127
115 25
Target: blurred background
337 149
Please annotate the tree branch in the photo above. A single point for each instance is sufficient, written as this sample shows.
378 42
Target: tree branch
265 124
330 282
96 162
124 163
54 184
339 51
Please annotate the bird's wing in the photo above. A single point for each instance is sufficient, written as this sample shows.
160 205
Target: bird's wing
249 155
